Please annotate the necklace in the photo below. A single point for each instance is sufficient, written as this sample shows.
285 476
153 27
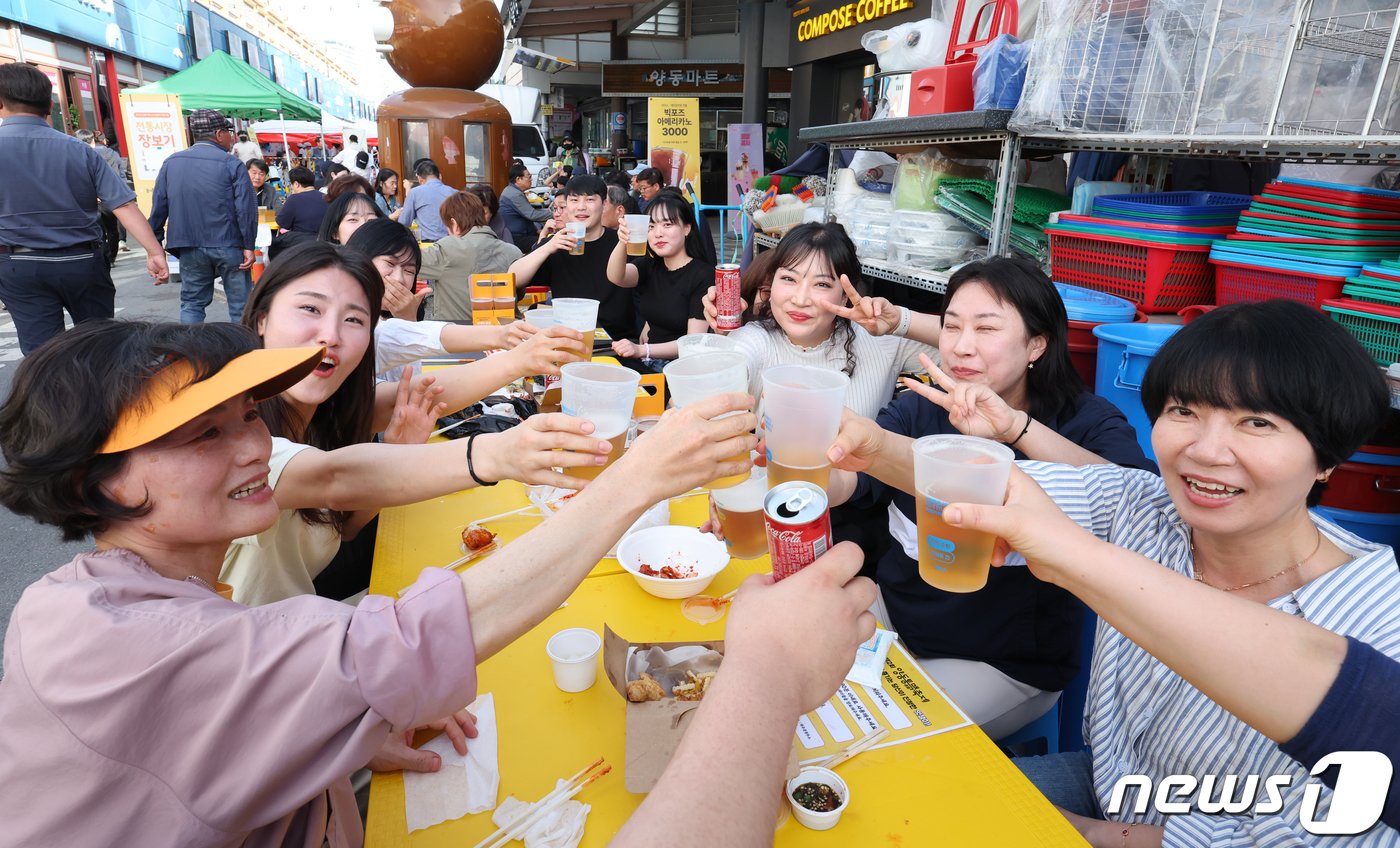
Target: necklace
194 578
1196 573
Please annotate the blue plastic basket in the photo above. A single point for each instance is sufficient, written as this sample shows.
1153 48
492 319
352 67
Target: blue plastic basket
1186 203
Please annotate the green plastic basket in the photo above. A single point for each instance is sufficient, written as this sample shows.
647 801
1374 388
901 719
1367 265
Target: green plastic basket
1376 326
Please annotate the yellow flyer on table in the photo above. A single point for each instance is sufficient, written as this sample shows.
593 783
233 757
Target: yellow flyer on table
908 703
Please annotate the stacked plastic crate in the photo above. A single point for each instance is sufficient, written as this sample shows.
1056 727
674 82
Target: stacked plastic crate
1149 249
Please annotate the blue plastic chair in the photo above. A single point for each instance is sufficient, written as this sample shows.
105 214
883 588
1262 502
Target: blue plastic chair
1072 700
1047 727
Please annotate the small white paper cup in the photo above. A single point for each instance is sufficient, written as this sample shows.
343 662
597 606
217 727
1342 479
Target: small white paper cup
574 655
809 818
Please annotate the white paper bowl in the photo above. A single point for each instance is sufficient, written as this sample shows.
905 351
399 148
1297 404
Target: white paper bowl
673 545
814 820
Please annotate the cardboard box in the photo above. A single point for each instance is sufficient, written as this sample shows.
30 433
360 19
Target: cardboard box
654 728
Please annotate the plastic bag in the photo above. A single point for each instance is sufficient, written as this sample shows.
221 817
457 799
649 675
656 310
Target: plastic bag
918 175
909 47
1000 73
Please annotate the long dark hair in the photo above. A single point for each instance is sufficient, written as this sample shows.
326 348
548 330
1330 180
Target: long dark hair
832 243
346 417
1053 384
673 209
339 208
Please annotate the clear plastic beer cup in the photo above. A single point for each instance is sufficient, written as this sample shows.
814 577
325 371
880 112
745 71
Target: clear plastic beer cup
956 468
541 318
603 394
637 234
705 375
801 415
693 343
577 313
740 510
579 230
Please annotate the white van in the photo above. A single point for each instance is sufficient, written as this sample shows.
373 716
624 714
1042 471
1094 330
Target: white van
528 145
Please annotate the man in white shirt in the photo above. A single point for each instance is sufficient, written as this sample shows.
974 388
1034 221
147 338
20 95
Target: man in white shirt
246 150
350 156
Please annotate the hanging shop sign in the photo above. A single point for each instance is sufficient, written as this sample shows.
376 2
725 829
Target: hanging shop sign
652 77
824 28
673 135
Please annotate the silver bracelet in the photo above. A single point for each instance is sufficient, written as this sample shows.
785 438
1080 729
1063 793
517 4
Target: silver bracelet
905 316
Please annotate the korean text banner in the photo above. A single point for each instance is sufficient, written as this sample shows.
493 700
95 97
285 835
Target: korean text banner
673 125
155 128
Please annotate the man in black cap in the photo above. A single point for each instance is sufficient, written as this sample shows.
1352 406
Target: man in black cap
50 234
205 196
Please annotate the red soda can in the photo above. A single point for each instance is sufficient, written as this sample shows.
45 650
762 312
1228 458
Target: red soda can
798 525
729 305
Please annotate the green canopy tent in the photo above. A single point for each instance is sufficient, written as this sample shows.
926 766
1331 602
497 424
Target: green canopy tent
221 82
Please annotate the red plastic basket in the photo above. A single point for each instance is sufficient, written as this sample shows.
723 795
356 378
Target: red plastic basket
1157 276
1235 283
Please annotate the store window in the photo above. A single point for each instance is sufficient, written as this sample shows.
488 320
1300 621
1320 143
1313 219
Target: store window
415 143
474 145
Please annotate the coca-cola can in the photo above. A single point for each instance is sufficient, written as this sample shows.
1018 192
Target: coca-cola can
798 525
729 304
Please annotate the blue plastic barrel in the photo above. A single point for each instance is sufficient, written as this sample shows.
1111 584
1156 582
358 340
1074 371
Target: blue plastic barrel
1124 352
1380 527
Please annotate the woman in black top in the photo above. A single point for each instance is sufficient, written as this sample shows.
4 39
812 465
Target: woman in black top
671 280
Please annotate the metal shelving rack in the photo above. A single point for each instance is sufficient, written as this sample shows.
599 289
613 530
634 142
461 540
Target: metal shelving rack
908 134
904 134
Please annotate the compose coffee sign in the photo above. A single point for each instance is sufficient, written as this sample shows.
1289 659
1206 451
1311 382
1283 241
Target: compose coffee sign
822 28
848 15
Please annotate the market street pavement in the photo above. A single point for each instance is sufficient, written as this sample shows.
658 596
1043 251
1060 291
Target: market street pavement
30 550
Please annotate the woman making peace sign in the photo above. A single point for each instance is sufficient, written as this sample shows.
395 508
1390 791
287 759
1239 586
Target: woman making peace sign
1003 653
805 320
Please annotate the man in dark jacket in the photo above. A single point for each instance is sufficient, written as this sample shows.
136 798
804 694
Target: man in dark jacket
205 196
520 217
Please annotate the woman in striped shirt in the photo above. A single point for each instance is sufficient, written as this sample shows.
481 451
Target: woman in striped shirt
1253 407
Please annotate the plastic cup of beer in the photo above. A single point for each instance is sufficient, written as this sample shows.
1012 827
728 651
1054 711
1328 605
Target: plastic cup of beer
578 230
956 468
693 343
705 375
801 416
740 510
577 313
603 394
637 234
574 655
540 319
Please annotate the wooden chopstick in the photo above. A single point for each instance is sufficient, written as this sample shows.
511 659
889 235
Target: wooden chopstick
535 811
859 746
543 809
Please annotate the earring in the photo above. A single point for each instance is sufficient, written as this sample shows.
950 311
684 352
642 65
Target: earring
1030 365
